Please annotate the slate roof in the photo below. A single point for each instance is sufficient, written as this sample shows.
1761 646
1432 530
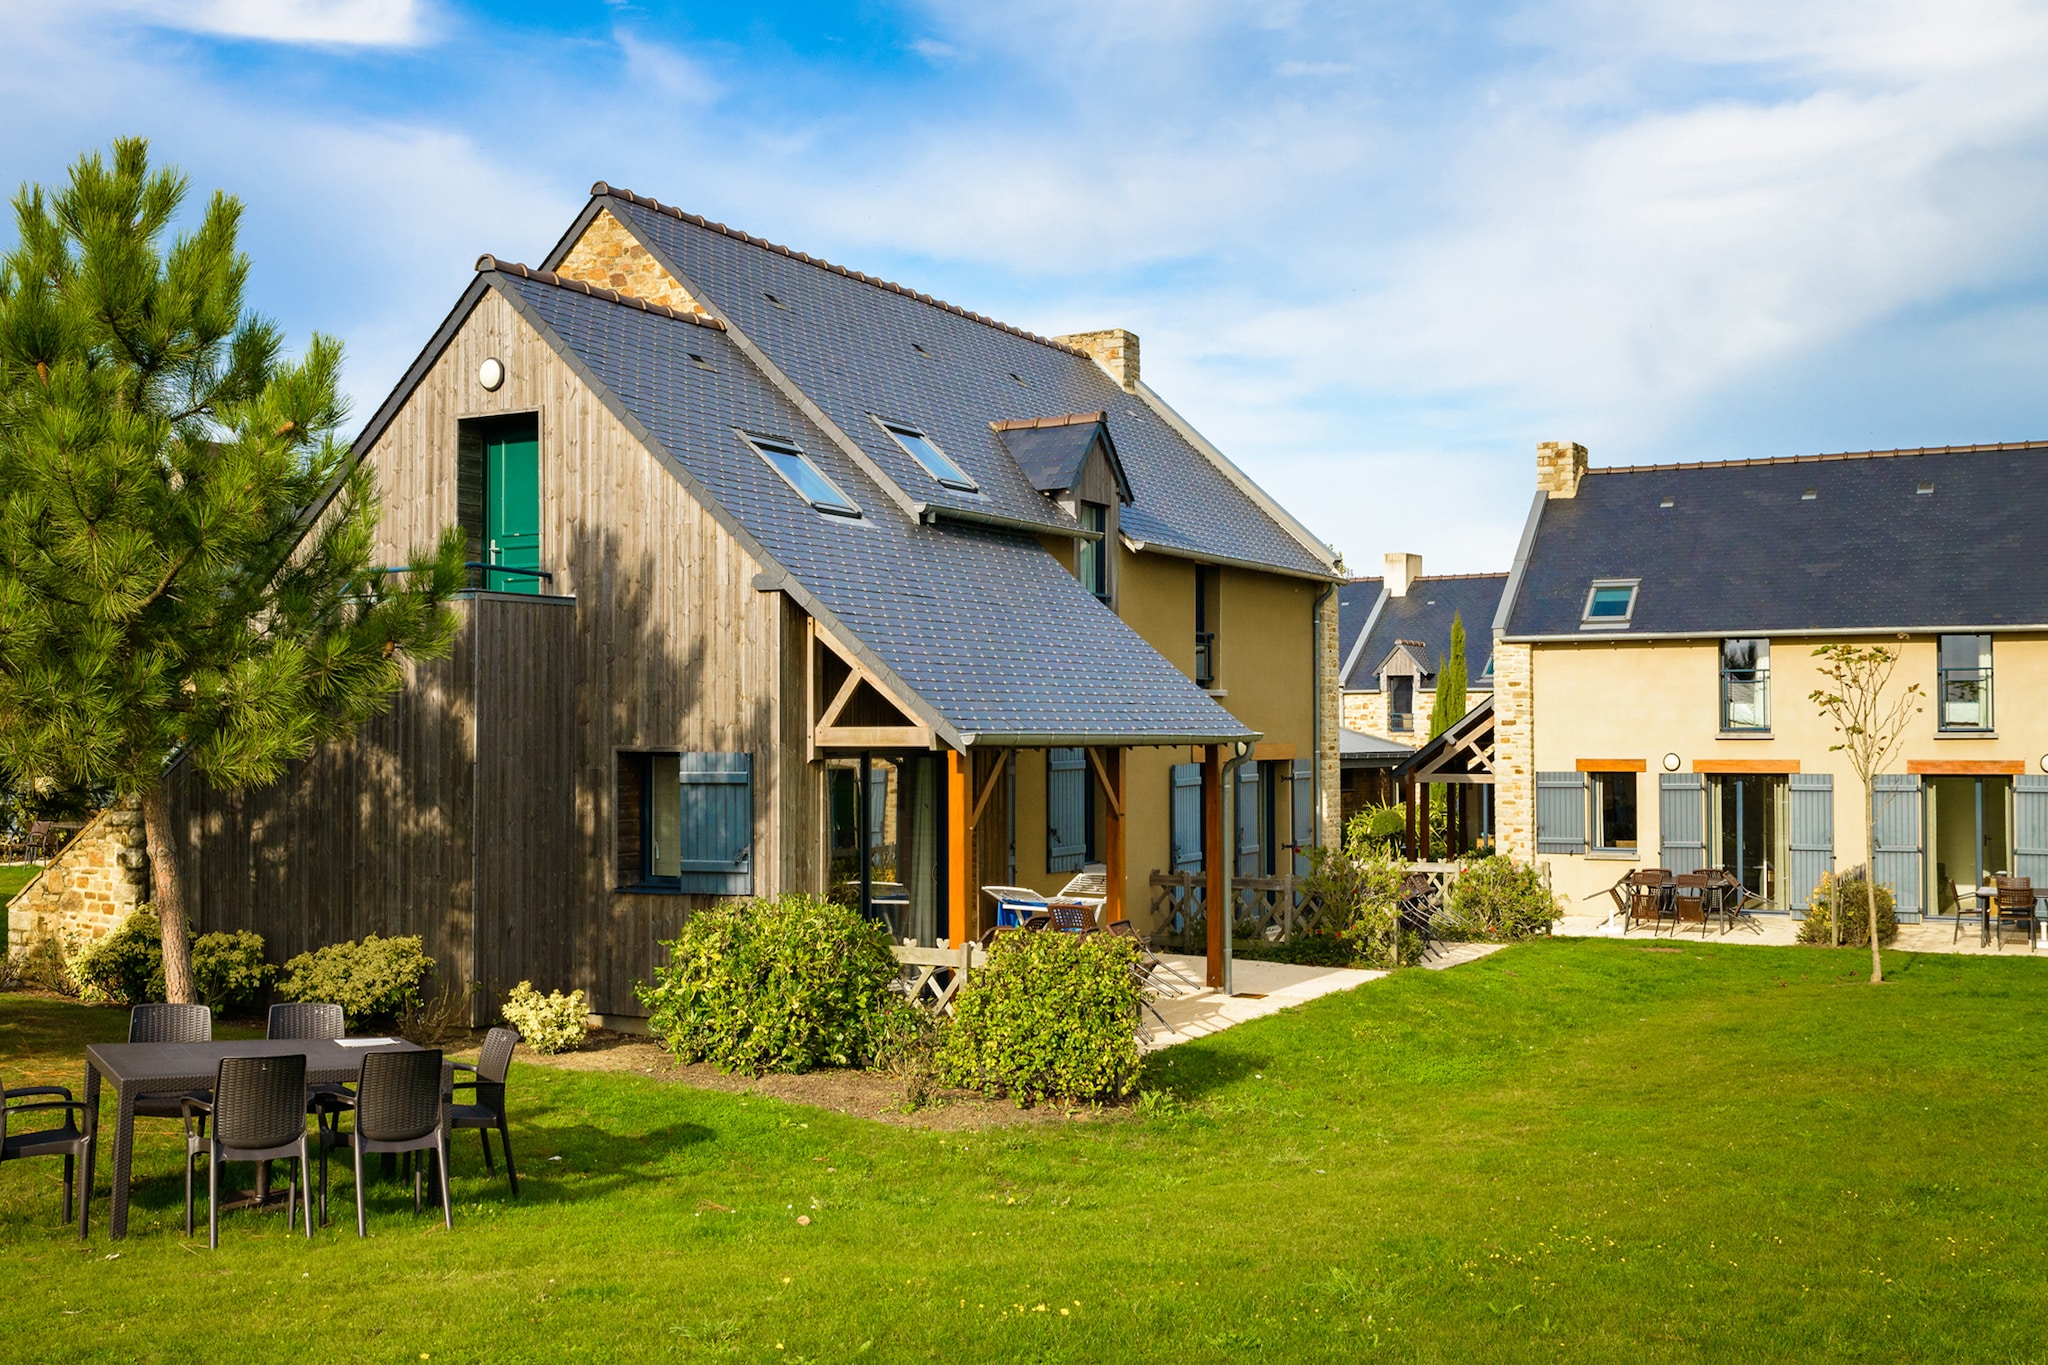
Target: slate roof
1361 750
1052 452
1355 603
1742 551
1422 616
980 623
860 349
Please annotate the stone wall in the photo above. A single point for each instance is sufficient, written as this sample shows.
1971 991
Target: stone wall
1559 467
88 888
610 255
1514 750
1329 719
1366 712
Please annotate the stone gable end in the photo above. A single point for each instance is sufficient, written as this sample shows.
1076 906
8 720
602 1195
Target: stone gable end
95 882
609 254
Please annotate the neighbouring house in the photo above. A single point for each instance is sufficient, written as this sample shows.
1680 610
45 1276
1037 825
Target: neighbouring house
788 579
1654 662
1394 634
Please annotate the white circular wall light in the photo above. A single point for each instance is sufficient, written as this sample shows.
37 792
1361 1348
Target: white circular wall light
1671 763
2044 763
491 374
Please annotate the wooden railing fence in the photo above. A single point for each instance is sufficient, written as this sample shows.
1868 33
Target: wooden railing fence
931 977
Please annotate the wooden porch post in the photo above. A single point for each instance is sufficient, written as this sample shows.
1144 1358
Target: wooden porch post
1408 800
1214 851
959 849
1109 768
1422 822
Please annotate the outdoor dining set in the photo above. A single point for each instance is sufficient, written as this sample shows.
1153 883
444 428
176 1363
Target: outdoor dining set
2006 903
1656 896
280 1098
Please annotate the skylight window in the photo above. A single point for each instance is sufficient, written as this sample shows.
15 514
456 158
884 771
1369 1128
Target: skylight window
1668 502
810 482
1809 495
1925 488
926 452
1610 602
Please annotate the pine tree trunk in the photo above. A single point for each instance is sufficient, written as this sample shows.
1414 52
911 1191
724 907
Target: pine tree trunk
167 894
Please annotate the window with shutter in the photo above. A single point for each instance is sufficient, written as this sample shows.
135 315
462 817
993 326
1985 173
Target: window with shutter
1561 812
1066 809
1250 821
1812 842
1187 817
1304 815
1682 821
686 823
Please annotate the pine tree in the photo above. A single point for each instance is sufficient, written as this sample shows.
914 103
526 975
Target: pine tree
186 569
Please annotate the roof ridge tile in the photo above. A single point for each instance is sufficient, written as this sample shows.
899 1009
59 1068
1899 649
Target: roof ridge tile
1818 459
607 191
1072 419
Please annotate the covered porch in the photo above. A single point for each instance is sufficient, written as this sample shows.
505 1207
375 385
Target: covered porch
1460 760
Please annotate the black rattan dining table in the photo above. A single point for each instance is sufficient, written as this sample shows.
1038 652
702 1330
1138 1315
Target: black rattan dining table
135 1069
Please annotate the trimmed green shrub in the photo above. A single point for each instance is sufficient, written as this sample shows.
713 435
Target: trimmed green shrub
1376 827
1309 949
374 981
229 971
1852 890
126 967
1052 1017
547 1023
1499 898
1357 892
782 985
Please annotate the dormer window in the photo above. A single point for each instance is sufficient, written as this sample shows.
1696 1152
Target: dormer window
926 452
1610 602
810 482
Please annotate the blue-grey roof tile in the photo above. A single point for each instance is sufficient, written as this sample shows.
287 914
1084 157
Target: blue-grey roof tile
1423 614
980 622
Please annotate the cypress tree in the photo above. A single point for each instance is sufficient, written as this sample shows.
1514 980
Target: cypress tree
1449 707
186 551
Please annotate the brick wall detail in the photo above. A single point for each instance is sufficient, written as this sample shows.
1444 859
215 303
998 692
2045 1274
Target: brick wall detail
1514 749
1329 718
1114 349
85 892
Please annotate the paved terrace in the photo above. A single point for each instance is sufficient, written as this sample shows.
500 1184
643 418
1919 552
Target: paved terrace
1933 936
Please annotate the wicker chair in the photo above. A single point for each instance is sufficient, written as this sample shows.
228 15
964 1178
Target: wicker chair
487 1087
67 1139
312 1020
169 1024
2015 906
1691 900
259 1114
1646 899
397 1109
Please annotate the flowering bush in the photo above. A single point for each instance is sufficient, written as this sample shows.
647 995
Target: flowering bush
547 1023
1851 891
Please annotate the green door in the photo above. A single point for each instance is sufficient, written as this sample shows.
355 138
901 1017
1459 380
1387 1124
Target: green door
512 506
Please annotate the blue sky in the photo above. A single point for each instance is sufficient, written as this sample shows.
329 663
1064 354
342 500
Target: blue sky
1376 251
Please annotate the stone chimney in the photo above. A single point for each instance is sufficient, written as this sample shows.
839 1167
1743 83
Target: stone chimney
1115 350
1402 571
1559 467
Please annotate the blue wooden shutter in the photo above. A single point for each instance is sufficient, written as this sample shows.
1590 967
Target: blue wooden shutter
1187 817
1304 814
1560 812
1066 809
716 840
1896 823
1812 841
1249 813
2030 830
1682 821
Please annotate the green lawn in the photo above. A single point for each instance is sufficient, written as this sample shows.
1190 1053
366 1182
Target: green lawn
1570 1150
13 877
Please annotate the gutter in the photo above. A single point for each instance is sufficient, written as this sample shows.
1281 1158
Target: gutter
1205 557
1612 636
932 513
1052 740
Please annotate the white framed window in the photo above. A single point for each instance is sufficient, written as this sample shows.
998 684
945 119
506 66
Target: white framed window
1610 603
1745 687
926 452
811 483
1964 665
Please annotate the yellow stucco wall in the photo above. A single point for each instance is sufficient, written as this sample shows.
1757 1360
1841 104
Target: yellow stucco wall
1629 700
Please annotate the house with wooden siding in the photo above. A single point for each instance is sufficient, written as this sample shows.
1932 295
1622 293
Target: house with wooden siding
1654 660
790 579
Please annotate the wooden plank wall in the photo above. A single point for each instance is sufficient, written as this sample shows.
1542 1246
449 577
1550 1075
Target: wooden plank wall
374 835
673 649
526 846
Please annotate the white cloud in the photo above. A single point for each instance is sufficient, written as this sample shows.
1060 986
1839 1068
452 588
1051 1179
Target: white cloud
666 68
344 23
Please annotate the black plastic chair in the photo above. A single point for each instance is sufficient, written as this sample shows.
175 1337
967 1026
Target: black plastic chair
259 1114
67 1139
397 1109
315 1021
168 1024
488 1088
